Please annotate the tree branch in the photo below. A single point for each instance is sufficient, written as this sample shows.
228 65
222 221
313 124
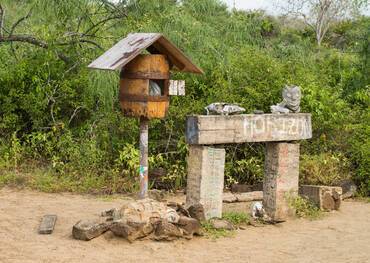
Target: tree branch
19 21
2 15
101 22
25 39
33 41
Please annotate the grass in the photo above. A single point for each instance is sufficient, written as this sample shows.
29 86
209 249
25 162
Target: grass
305 208
47 180
236 218
212 233
41 177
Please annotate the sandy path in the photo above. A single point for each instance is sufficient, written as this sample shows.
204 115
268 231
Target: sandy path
340 237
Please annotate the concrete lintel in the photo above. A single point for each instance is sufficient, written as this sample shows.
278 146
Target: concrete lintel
221 129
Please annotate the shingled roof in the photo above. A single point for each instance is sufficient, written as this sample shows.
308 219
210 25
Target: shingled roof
133 45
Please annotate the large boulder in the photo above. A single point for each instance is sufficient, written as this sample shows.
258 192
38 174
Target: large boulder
166 231
89 229
190 226
221 224
131 230
197 211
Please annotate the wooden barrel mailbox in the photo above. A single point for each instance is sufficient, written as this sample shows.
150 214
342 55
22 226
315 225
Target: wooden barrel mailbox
145 84
144 87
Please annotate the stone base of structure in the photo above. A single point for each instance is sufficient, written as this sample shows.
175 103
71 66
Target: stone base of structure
325 197
281 179
205 181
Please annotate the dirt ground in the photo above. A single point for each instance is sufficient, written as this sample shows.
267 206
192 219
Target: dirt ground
342 236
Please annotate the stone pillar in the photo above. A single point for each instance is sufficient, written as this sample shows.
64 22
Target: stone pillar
281 179
205 181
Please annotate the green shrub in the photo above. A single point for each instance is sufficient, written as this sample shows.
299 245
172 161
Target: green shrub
305 208
66 118
324 169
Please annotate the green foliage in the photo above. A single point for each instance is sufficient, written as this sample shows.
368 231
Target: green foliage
324 169
305 208
65 119
237 218
213 233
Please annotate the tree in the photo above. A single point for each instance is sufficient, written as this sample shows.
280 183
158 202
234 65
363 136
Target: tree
89 18
320 14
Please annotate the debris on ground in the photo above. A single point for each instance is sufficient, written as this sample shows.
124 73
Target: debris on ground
89 229
141 219
257 210
325 197
221 224
47 224
222 108
242 197
197 211
349 189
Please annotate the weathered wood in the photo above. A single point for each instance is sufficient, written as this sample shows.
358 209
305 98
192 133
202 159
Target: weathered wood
143 170
130 47
134 94
47 224
177 88
147 67
217 129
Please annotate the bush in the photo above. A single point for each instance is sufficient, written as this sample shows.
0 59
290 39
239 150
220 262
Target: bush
324 169
67 119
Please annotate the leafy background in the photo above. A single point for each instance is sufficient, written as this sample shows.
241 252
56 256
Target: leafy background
61 128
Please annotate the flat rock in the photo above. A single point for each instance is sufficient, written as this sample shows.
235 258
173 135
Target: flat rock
131 230
141 211
349 189
89 229
47 224
180 209
190 226
197 211
325 197
165 231
250 196
241 188
229 198
221 224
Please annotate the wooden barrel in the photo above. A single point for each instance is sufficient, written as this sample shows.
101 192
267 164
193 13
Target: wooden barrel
135 97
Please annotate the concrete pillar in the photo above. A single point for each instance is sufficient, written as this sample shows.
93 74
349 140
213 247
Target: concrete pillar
281 179
205 181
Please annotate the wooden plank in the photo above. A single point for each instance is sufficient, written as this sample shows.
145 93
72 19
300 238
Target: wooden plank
177 88
47 224
181 88
130 47
124 51
218 129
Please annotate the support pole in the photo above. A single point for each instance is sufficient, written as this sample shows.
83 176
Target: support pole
281 179
144 126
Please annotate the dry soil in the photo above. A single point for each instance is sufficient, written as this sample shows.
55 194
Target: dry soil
342 236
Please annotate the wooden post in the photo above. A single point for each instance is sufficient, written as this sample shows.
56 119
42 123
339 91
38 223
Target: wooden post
144 126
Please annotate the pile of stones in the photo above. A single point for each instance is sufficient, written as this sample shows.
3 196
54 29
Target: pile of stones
144 219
